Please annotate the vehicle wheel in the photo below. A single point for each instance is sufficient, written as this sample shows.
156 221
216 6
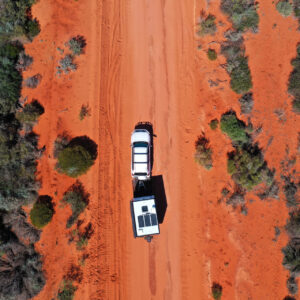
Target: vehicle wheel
148 238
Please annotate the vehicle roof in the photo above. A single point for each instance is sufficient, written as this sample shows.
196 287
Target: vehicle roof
145 216
140 135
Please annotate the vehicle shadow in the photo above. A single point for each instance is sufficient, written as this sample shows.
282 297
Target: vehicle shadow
154 186
148 126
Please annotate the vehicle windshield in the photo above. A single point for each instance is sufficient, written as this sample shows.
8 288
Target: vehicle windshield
140 144
140 174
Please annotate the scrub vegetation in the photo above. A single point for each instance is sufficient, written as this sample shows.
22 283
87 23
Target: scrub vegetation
207 25
294 82
246 163
21 273
78 199
284 7
212 54
203 155
242 14
42 212
216 291
76 156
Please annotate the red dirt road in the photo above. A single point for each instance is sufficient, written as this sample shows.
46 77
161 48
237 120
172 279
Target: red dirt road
142 64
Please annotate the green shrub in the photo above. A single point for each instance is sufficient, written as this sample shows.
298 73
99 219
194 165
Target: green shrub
203 155
296 106
66 64
42 212
30 112
242 14
240 76
293 225
216 291
291 257
84 112
284 8
207 26
66 290
77 44
214 124
212 54
78 199
248 168
74 160
234 128
33 28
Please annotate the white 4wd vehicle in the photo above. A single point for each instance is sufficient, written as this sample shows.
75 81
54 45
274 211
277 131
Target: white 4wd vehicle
140 154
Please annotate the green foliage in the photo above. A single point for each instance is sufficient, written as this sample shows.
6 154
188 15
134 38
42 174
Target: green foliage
74 160
240 76
242 14
294 82
212 54
293 225
42 212
216 291
66 65
15 19
247 167
84 112
296 106
66 290
207 26
291 259
77 44
33 28
214 124
284 8
78 199
234 128
203 155
30 112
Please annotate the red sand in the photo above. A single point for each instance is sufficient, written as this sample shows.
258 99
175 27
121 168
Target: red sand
142 64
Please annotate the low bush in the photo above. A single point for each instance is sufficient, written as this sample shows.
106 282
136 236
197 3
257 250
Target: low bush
203 155
30 113
74 161
247 167
214 124
207 25
216 291
66 291
293 225
292 285
240 76
212 54
291 259
290 192
33 28
76 157
296 105
246 102
78 200
234 128
285 8
66 65
42 212
242 14
84 112
33 81
77 44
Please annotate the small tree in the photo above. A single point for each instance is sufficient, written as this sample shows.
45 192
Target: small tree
212 54
66 290
214 124
78 199
216 291
42 212
234 128
74 160
77 44
207 25
284 8
203 153
33 28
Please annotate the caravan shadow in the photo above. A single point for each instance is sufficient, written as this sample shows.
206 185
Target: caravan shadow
158 190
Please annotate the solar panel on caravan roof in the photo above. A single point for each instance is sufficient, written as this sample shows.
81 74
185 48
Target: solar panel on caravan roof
147 220
141 221
153 219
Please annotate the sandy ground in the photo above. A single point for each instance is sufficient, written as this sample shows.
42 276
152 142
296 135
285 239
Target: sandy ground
142 64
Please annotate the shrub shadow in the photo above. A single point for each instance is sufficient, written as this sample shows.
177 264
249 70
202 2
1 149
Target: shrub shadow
46 200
